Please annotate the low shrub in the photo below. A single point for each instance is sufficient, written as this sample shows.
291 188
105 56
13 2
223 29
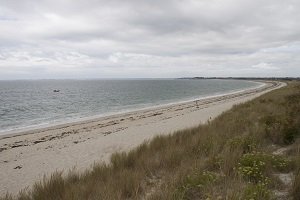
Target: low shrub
194 184
256 166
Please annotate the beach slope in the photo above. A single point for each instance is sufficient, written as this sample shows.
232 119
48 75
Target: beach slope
27 156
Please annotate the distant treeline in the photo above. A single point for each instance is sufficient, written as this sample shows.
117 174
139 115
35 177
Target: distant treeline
246 78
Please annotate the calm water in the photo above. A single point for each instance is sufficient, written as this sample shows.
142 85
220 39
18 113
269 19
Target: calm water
33 103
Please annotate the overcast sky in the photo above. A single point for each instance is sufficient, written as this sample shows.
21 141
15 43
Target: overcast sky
153 38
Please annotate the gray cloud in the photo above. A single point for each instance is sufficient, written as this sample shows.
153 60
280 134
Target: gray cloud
138 38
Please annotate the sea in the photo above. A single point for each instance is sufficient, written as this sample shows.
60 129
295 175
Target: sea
30 104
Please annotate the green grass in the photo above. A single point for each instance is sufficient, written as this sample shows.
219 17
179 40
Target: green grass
227 158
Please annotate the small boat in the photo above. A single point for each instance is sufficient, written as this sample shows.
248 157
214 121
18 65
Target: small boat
56 90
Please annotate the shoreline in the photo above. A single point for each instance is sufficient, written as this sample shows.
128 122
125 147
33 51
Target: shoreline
31 129
27 158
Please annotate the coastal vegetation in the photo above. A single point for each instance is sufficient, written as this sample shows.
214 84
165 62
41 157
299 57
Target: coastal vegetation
249 152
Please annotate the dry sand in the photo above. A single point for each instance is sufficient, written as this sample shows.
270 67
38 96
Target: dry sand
26 157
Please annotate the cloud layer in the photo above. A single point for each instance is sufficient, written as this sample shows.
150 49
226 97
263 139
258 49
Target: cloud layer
139 38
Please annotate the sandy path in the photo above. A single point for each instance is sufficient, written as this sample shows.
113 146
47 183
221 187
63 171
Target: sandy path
26 158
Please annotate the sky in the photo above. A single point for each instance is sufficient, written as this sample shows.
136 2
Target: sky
41 39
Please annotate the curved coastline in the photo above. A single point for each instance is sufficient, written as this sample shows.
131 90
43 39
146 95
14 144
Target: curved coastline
30 129
28 157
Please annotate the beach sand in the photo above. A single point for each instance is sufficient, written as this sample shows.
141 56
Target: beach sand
26 157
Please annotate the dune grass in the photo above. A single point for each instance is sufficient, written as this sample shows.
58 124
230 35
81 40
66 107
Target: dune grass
230 157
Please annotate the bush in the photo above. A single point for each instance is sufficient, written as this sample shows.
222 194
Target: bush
253 166
195 184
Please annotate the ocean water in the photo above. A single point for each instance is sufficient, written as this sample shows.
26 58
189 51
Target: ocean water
30 104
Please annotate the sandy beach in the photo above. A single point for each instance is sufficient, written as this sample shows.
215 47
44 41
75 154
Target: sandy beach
27 156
